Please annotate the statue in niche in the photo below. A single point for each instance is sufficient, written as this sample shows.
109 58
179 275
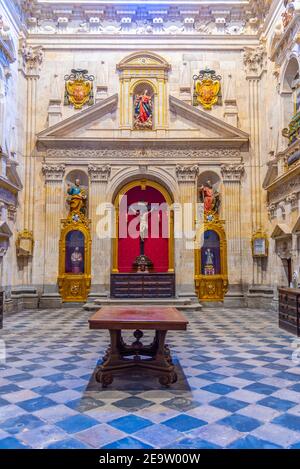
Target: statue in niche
142 111
76 261
209 268
210 197
76 197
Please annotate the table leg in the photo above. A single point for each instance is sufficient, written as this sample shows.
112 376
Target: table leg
163 360
110 359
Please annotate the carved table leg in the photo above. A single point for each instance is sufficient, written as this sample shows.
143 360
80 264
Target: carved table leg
163 359
111 358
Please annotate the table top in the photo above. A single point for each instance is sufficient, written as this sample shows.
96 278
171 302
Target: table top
138 317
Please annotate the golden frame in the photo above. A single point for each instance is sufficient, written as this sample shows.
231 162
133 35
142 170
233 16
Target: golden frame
212 287
75 287
143 183
259 235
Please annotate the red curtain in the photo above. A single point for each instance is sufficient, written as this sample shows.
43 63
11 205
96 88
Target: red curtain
156 248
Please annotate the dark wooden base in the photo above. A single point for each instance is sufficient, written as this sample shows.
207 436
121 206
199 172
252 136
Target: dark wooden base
142 285
289 310
120 356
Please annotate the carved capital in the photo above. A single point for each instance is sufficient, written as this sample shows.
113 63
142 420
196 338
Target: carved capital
53 172
187 173
99 173
32 58
232 172
11 212
255 61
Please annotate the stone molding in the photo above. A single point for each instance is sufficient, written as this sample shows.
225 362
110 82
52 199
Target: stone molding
99 173
187 173
232 173
54 173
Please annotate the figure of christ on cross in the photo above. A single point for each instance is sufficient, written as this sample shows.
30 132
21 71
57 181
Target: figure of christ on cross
144 210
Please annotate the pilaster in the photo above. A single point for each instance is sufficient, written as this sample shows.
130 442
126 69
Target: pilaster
232 175
101 247
255 66
30 63
53 212
184 249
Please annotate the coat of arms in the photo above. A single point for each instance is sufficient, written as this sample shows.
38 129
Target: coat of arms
207 89
79 88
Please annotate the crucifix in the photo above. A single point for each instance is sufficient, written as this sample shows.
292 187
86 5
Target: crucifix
144 213
144 210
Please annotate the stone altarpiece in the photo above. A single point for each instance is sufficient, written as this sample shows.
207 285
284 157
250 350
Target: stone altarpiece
174 163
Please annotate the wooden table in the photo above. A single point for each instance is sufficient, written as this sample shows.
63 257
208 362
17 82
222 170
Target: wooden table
120 356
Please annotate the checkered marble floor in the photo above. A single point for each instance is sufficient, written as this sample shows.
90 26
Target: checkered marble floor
238 386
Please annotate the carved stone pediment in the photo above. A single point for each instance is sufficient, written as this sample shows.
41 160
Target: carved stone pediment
87 130
143 60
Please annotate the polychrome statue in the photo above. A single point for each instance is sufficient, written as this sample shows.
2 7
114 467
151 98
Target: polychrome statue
210 197
143 111
77 197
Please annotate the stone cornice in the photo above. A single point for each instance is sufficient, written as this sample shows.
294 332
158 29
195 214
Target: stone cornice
284 179
286 41
120 17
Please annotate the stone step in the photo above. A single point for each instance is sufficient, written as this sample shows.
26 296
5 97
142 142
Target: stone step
180 306
142 301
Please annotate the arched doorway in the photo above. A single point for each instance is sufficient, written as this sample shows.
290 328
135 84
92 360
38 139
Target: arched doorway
143 247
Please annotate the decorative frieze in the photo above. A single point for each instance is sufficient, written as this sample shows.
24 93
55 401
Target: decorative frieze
55 18
53 172
232 173
159 153
187 173
99 173
283 190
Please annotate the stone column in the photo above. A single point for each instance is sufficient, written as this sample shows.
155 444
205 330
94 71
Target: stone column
31 60
53 212
255 66
101 247
184 250
232 213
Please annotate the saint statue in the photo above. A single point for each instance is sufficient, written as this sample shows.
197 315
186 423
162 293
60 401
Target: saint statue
76 261
77 197
210 197
209 257
209 268
143 111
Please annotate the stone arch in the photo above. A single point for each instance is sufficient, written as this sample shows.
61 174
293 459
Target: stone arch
290 74
144 182
126 175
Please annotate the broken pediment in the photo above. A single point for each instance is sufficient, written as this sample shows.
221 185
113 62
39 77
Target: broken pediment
100 123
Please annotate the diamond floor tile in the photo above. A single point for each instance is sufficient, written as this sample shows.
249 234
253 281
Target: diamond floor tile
230 394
